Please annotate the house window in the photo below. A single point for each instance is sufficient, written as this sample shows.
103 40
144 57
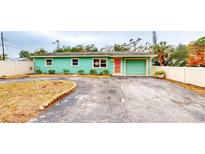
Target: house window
99 63
75 62
49 62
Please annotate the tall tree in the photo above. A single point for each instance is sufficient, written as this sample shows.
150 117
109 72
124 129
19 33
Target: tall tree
39 52
197 52
163 51
57 42
24 54
121 47
133 44
90 48
107 48
179 56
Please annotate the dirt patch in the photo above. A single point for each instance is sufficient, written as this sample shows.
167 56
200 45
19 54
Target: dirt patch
20 101
197 89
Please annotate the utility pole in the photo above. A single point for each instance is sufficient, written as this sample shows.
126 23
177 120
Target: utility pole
2 43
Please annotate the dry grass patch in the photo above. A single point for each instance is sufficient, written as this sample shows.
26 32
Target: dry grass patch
20 101
197 89
14 77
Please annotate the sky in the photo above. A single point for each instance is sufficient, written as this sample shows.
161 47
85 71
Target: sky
15 41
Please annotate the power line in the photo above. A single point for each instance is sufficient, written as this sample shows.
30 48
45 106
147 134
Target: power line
19 44
26 43
17 40
14 47
8 51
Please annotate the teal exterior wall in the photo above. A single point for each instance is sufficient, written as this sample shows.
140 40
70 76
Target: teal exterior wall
60 63
85 63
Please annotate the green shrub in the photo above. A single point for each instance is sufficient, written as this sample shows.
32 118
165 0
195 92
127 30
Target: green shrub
38 71
105 72
81 72
92 71
66 71
159 72
51 71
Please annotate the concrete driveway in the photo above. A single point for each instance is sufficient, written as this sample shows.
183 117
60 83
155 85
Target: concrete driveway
133 99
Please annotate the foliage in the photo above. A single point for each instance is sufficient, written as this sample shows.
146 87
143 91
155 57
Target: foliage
163 51
51 71
57 42
90 48
38 71
197 52
133 44
66 71
107 48
39 52
179 56
92 71
159 72
24 54
121 47
78 48
105 72
81 72
5 56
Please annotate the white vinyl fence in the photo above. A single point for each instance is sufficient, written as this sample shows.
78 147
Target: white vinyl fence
8 68
190 75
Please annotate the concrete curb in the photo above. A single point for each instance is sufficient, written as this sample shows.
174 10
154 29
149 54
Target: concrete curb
60 96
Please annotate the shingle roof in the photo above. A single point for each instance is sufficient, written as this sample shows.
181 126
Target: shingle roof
89 54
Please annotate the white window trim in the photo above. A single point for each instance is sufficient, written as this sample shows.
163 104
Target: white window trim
46 62
72 62
99 63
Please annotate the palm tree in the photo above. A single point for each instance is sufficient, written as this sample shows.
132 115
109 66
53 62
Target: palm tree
163 50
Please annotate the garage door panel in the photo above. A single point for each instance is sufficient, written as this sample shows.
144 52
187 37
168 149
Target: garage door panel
136 67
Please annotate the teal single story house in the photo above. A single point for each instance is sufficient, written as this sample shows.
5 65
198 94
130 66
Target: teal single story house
117 63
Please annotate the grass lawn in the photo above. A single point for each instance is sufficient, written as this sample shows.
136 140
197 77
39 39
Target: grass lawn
21 101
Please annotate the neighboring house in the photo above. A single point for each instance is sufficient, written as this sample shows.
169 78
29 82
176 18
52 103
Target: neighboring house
19 59
118 63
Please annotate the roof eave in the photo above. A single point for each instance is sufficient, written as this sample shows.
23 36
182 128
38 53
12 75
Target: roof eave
58 56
